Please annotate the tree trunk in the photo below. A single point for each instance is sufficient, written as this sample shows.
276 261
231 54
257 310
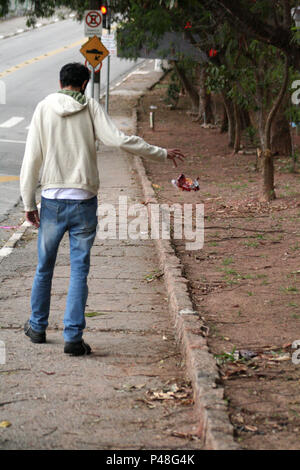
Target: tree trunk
281 139
224 125
245 119
268 192
188 86
231 123
237 138
205 104
268 176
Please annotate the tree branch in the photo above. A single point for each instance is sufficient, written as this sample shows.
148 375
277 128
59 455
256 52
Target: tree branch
254 26
277 104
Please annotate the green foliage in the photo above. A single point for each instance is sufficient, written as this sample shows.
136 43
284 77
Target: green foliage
249 65
251 133
226 357
218 78
142 27
4 7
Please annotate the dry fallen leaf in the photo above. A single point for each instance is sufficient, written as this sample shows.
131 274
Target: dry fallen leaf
284 357
47 373
238 419
5 424
235 369
250 428
173 392
185 435
147 402
162 396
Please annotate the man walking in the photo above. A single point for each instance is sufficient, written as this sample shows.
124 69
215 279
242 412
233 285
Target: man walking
61 153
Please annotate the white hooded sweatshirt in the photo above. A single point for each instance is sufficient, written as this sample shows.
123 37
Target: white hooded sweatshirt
61 146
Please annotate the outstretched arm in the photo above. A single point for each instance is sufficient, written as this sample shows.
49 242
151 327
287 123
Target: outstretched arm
109 134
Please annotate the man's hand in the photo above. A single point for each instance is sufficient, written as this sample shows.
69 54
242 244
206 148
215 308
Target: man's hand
33 218
175 153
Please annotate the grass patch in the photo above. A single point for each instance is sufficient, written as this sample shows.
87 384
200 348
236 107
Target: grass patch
94 314
289 290
225 357
251 244
227 261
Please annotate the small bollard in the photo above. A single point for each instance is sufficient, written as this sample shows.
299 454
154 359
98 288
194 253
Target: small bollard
152 117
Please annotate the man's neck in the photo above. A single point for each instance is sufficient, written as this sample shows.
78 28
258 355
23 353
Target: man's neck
71 88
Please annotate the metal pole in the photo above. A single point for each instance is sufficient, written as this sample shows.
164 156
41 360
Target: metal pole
107 84
93 83
108 62
99 85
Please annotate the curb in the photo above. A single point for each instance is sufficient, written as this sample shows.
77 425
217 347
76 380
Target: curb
215 428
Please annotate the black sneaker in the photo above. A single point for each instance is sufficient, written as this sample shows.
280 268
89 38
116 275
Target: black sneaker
79 348
35 336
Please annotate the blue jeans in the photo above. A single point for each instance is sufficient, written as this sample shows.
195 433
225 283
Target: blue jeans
57 216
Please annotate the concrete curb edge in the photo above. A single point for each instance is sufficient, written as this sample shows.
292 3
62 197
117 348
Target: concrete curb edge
214 428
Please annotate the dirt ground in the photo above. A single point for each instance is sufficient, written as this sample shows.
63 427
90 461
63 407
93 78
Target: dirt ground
245 281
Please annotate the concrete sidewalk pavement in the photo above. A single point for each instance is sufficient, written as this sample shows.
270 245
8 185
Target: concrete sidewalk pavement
110 399
134 391
106 400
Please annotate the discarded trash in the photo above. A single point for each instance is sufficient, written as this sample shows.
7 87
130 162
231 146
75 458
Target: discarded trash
246 354
154 275
186 184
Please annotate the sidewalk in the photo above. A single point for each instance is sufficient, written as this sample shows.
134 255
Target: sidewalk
134 391
106 400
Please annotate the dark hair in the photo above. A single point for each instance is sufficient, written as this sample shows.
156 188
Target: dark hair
74 74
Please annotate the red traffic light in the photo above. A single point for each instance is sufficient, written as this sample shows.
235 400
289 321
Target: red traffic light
103 9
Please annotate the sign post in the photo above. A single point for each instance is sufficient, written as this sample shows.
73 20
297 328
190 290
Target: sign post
93 23
108 63
94 52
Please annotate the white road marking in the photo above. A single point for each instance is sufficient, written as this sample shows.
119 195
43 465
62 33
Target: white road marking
11 122
5 251
10 245
7 141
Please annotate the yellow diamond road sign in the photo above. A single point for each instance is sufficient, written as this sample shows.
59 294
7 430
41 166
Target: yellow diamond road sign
94 51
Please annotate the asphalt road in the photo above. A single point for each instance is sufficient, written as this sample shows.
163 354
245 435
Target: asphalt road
29 68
